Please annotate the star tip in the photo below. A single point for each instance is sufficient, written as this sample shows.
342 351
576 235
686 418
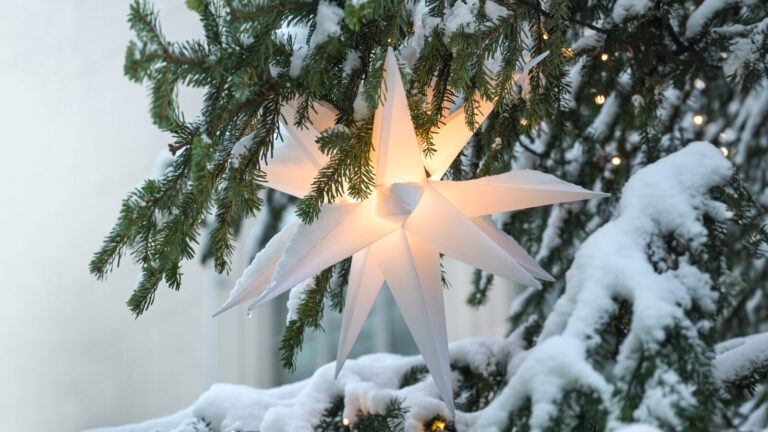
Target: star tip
547 277
225 307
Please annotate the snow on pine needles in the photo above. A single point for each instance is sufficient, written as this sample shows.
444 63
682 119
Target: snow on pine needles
623 264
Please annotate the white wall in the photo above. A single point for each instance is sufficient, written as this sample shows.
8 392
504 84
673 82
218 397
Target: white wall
76 137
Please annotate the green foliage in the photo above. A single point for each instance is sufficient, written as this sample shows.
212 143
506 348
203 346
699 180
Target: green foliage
391 420
578 410
349 169
331 420
413 375
477 388
355 14
309 315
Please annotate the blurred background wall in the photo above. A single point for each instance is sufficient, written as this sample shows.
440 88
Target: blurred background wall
76 138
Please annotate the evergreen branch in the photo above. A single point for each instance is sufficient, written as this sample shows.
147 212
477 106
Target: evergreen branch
572 19
309 315
349 169
279 7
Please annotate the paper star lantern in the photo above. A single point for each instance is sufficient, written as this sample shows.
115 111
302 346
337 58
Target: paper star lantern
397 234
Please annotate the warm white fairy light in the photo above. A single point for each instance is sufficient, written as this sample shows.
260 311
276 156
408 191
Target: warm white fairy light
724 150
524 122
545 36
438 425
698 119
616 160
604 57
600 99
345 421
699 84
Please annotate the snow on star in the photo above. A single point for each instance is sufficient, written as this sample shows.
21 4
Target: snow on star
396 235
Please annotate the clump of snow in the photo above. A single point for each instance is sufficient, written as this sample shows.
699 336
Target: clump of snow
624 9
704 14
327 23
552 367
461 16
608 112
296 296
752 112
664 392
669 196
297 34
352 62
163 161
737 357
744 49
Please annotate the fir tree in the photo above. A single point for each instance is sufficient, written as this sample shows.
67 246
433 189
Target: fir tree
626 86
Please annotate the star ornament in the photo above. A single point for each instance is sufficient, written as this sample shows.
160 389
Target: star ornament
397 234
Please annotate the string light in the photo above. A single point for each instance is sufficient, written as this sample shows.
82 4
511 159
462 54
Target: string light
600 99
345 421
545 36
699 84
724 150
604 57
524 122
567 52
698 119
616 160
438 425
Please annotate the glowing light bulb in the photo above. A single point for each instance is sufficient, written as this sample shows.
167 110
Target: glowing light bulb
545 36
438 425
524 121
604 56
616 160
699 84
600 99
345 421
724 150
567 52
698 119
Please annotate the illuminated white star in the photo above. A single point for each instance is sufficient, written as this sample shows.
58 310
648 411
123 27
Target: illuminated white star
396 235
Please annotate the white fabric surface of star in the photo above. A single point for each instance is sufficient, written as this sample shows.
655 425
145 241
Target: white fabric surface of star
397 234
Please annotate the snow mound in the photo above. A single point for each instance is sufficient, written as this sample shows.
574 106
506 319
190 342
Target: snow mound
367 385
